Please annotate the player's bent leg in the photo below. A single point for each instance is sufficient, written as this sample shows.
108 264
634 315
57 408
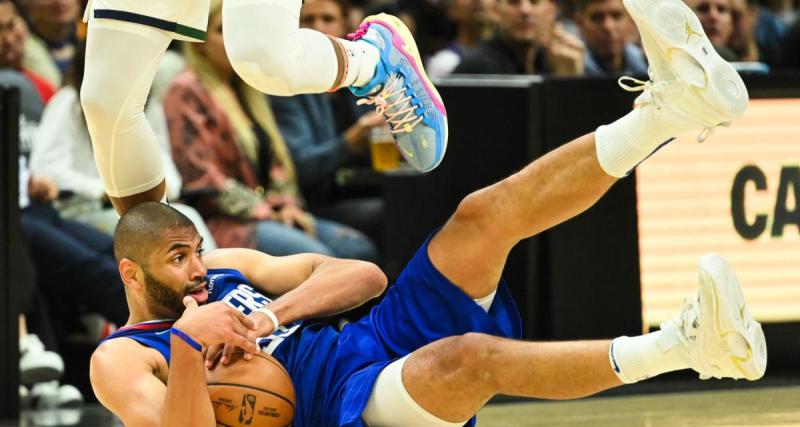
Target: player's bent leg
381 63
121 62
449 380
471 249
691 87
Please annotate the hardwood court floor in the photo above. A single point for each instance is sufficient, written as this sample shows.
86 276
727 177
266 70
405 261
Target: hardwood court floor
773 407
763 407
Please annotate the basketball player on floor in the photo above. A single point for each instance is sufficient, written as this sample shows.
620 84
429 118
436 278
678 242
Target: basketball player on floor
127 38
444 339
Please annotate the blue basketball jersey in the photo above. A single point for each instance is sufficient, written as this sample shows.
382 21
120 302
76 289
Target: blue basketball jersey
333 373
154 334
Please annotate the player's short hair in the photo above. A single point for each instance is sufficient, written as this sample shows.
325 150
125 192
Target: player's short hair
141 228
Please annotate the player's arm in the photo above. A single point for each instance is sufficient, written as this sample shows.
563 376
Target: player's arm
308 285
125 384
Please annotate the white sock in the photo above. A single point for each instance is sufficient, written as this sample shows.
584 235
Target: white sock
637 358
622 145
362 59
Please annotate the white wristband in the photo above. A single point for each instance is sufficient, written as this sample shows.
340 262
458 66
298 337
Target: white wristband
271 316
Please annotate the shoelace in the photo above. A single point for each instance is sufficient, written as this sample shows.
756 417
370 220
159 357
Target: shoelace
661 87
404 117
686 321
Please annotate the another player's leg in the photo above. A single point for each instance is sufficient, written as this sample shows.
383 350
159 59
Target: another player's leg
271 53
447 382
121 62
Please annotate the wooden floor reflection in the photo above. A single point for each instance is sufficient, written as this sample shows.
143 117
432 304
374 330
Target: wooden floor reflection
773 407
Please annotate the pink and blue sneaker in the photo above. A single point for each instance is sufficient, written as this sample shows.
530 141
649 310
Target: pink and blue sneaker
403 94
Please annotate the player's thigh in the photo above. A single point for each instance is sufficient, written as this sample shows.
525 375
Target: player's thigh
423 306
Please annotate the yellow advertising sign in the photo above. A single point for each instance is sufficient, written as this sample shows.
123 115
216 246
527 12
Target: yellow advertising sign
737 194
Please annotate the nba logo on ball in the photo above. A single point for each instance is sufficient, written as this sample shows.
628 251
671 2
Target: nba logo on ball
248 409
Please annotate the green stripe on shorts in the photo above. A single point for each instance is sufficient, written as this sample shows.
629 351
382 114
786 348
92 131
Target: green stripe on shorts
190 32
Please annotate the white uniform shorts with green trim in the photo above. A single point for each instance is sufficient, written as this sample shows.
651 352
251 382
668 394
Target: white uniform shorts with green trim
185 19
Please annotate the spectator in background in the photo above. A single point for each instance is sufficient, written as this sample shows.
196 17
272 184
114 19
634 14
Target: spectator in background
318 146
73 266
224 138
63 151
528 41
716 17
474 20
51 43
786 11
743 39
740 30
604 26
13 33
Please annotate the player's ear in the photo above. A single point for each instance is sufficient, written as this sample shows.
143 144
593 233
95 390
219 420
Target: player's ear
131 273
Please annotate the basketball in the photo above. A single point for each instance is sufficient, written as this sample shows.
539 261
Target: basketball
254 393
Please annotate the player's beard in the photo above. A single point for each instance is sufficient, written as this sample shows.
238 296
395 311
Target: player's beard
165 302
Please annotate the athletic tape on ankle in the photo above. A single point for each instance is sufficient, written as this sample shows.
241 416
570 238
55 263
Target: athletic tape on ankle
344 67
186 338
271 316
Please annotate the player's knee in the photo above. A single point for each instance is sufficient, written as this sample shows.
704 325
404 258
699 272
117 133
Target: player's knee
470 355
97 106
267 67
475 209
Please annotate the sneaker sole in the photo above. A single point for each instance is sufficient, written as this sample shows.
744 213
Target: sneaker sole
687 49
732 319
404 42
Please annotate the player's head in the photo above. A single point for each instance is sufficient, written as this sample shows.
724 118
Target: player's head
159 252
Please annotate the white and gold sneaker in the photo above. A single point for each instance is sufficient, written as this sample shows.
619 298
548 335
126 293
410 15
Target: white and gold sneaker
718 336
688 77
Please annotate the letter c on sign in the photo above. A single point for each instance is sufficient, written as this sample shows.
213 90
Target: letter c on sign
748 230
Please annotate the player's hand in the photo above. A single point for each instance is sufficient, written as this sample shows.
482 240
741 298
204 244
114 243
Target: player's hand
42 188
566 52
222 354
263 211
217 324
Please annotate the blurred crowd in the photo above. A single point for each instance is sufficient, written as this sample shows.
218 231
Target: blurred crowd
261 172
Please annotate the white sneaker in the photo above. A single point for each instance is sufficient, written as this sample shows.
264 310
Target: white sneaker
37 364
717 332
704 91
